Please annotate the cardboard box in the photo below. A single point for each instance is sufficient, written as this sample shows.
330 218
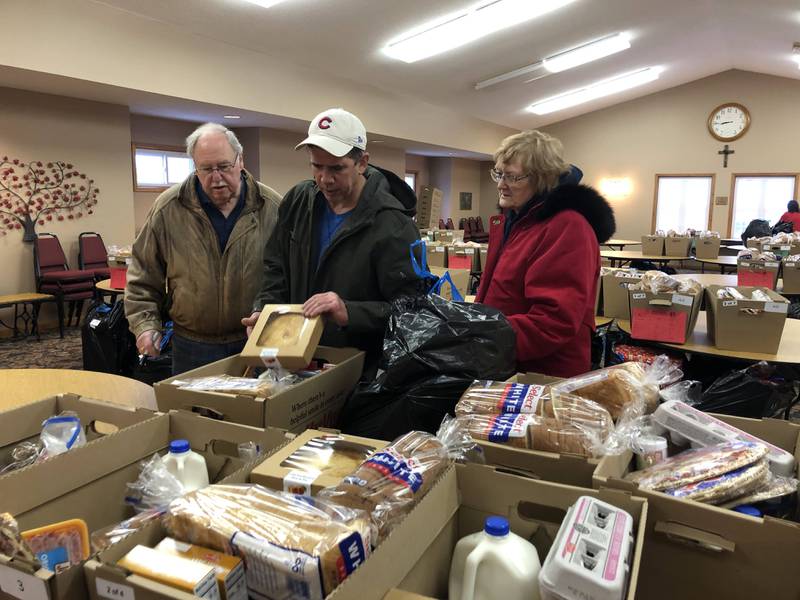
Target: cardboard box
89 483
229 570
430 195
314 402
653 245
283 337
746 325
429 207
706 247
460 278
677 246
757 274
416 557
436 254
754 243
616 303
663 317
302 467
703 551
791 277
461 257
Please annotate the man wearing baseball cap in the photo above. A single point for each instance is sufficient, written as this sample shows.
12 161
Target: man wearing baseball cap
341 244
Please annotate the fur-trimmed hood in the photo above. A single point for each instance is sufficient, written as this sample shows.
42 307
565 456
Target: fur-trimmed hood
585 200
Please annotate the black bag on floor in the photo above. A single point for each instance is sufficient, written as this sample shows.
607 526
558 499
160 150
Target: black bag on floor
108 345
757 391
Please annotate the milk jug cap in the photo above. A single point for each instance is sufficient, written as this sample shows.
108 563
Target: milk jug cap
179 446
497 526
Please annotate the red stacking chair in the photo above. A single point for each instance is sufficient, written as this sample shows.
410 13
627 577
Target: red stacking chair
92 255
475 234
53 276
462 223
450 223
479 223
441 224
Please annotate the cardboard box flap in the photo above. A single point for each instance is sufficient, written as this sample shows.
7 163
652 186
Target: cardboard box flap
692 535
35 485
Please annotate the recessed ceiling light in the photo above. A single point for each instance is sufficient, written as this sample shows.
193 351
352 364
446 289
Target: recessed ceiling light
599 89
587 53
265 3
232 117
464 26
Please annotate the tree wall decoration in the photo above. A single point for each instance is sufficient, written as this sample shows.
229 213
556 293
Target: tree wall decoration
35 193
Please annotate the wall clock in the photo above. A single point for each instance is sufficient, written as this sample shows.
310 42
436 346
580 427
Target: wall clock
729 121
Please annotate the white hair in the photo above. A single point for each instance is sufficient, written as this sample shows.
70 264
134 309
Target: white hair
207 129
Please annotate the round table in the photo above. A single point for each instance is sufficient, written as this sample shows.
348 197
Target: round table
28 385
618 257
721 261
700 342
600 321
613 243
104 285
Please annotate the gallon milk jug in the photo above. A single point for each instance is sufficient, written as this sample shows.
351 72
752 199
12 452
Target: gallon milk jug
494 563
188 466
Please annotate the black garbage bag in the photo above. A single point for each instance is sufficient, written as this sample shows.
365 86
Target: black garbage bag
433 349
756 391
756 228
375 411
108 346
429 336
794 310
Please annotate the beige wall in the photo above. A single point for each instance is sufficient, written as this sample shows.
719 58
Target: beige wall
466 178
666 133
489 194
96 139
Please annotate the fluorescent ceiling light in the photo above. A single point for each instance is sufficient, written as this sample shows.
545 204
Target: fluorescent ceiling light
602 88
232 117
587 53
467 25
265 3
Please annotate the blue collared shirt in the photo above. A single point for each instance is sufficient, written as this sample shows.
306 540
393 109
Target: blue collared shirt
223 225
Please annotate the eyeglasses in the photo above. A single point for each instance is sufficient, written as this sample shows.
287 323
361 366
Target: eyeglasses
499 176
222 168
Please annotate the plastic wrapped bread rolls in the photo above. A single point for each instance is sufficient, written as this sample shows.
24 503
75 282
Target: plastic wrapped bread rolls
390 482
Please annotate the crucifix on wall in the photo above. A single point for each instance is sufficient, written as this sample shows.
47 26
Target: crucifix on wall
726 152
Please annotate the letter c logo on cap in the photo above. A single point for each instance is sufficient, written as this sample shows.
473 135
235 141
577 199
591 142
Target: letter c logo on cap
325 123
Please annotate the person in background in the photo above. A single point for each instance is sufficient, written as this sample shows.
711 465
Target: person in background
792 215
341 246
198 256
544 258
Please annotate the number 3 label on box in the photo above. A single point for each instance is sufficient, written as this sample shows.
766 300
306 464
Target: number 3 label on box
22 585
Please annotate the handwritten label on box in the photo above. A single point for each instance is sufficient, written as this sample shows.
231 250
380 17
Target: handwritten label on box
658 325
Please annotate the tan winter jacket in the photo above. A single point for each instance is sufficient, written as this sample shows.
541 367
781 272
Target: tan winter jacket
177 267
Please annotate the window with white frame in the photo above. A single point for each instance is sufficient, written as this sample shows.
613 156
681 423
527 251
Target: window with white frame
683 202
156 168
411 180
760 197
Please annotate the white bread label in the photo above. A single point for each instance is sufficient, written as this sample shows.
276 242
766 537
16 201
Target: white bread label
276 572
776 307
503 427
113 590
22 585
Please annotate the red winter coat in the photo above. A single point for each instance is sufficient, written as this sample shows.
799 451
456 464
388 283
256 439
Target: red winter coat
544 278
793 218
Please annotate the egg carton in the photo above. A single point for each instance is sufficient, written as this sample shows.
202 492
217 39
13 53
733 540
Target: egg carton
687 425
591 556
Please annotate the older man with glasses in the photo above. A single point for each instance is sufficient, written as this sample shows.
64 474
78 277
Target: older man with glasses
197 260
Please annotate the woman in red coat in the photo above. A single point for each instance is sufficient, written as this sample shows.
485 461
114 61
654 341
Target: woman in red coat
543 264
792 215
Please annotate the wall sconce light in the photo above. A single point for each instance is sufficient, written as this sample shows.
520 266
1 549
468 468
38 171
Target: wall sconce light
616 188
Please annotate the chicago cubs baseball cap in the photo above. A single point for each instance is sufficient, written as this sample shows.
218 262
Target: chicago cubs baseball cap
336 131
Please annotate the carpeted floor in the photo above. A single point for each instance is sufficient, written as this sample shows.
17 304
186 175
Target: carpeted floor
50 353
